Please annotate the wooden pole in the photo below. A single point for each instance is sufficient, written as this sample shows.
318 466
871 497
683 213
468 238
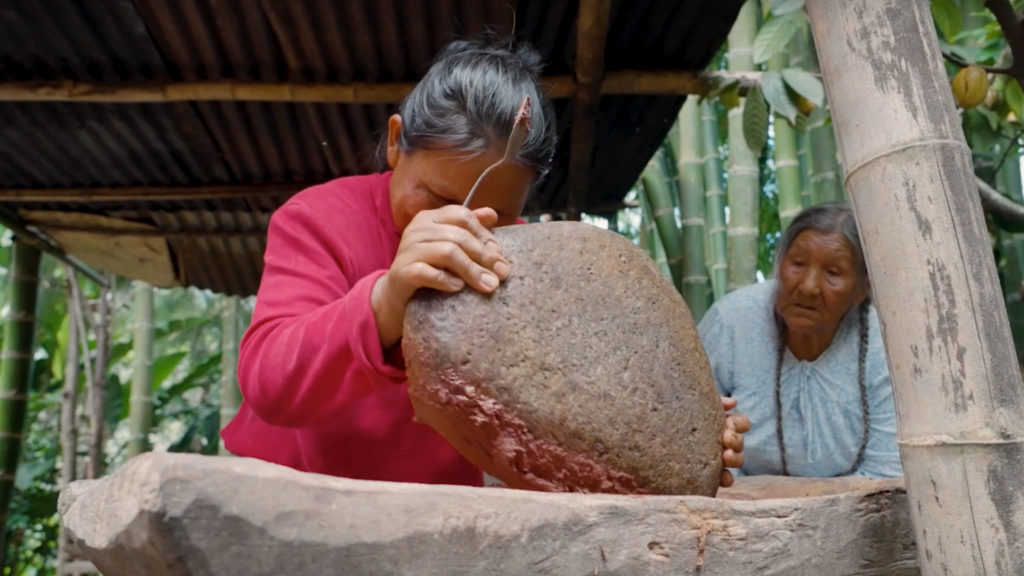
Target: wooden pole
591 31
957 385
621 82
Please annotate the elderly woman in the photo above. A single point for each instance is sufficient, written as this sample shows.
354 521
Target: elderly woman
803 355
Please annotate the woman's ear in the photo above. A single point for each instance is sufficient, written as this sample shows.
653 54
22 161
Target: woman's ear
394 131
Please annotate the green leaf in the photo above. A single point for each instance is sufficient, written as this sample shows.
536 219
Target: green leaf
1014 98
201 373
805 84
775 34
991 117
755 120
777 96
948 18
164 366
783 7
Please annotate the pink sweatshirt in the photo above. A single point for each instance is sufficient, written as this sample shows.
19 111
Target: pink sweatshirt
319 393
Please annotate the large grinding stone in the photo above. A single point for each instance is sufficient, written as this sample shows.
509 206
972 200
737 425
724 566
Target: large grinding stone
582 372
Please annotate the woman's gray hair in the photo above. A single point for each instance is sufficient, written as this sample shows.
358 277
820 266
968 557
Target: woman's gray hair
827 218
468 101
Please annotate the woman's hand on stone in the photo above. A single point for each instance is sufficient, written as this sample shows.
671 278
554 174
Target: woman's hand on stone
736 425
445 249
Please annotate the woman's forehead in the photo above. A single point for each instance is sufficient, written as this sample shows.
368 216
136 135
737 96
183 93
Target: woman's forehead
833 242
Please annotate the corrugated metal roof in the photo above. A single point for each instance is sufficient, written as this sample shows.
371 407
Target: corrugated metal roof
72 145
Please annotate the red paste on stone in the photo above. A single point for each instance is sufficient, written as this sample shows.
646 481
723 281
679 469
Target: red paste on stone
498 442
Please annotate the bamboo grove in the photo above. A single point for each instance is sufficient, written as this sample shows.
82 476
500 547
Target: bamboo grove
736 168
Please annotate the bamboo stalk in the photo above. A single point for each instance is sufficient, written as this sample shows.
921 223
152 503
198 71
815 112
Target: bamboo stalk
696 284
98 386
714 200
744 185
650 236
787 165
16 368
801 56
619 82
69 401
141 400
955 376
230 394
804 157
825 170
663 212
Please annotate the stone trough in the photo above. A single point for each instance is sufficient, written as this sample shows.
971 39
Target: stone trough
176 514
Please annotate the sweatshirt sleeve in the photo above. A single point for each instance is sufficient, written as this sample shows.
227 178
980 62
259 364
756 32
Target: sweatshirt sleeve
313 344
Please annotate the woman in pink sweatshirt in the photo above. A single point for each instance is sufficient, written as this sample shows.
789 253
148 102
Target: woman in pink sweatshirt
320 368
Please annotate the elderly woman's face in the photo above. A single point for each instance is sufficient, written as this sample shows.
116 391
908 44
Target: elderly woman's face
818 283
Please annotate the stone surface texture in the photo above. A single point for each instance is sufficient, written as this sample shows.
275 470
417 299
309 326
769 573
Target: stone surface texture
582 372
191 515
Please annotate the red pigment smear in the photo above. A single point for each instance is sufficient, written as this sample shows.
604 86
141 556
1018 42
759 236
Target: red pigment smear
496 441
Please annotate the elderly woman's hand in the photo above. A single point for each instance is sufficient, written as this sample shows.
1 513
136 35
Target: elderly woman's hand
736 425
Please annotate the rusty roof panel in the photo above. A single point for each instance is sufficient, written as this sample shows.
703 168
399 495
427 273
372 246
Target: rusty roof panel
54 145
217 260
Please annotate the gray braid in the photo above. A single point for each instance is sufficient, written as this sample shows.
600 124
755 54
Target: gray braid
862 355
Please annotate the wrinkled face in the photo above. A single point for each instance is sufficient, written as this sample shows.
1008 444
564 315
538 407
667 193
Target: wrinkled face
818 283
429 179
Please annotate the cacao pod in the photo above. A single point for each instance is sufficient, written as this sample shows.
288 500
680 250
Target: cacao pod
970 86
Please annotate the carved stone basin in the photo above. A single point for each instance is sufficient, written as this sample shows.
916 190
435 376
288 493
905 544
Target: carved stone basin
191 515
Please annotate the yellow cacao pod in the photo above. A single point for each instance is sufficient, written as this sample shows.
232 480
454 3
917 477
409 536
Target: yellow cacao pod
730 99
970 86
804 105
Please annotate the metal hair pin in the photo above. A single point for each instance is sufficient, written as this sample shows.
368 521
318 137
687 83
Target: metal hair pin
516 138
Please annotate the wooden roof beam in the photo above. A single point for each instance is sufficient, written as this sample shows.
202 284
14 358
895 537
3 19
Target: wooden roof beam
591 32
621 82
148 193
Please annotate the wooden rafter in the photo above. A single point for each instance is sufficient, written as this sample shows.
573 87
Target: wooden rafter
147 193
622 82
591 32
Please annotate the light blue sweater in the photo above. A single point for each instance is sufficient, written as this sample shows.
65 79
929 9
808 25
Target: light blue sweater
821 408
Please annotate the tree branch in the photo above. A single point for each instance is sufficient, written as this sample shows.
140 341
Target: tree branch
1009 213
1012 30
964 64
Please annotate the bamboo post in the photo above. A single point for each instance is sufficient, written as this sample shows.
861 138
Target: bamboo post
959 399
744 184
16 368
141 400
